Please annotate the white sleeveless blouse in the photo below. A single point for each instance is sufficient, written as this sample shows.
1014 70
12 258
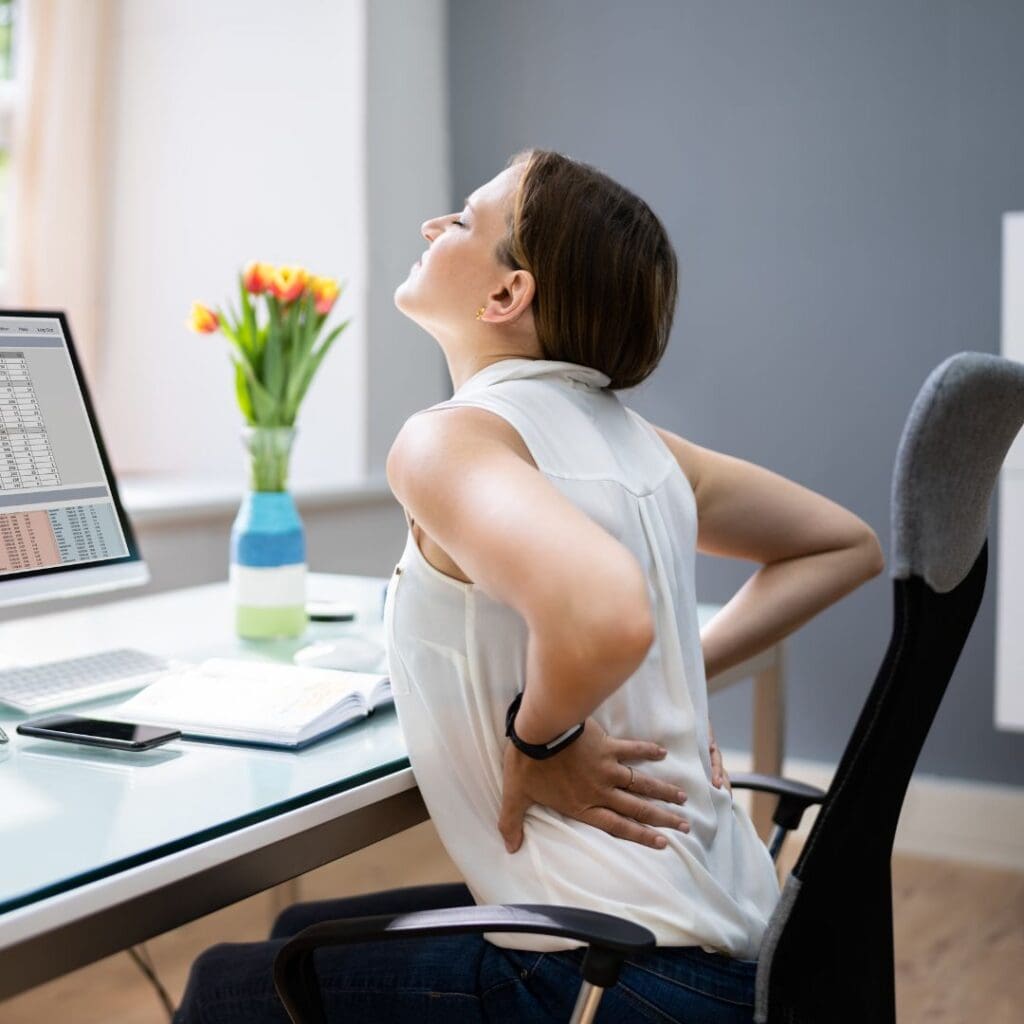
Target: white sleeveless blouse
457 658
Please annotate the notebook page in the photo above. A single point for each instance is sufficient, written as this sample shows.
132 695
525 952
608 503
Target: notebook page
271 700
363 683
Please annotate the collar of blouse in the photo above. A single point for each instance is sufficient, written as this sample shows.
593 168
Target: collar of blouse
516 368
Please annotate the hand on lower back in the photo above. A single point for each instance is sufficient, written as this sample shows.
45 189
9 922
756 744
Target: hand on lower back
587 781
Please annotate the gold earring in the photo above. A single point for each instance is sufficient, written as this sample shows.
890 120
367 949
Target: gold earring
480 312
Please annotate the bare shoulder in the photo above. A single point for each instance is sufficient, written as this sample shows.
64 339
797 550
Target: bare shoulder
466 479
452 433
687 454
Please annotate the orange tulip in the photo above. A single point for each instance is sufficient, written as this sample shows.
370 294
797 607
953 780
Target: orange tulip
286 283
202 319
256 277
325 291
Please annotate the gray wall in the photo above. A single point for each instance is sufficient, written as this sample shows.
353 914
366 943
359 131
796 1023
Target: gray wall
832 176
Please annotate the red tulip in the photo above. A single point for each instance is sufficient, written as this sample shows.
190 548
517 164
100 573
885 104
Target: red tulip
256 277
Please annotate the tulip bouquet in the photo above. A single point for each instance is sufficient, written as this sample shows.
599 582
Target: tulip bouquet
275 354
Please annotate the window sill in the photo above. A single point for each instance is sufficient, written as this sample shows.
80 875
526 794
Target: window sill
159 500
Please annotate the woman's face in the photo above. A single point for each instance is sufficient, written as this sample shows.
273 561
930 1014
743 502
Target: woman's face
459 271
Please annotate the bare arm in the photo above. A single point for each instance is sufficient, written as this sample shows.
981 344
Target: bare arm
813 551
581 592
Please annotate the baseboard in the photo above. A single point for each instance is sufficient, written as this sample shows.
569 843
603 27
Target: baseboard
952 819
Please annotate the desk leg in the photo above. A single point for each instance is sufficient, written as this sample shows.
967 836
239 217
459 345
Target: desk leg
769 738
283 896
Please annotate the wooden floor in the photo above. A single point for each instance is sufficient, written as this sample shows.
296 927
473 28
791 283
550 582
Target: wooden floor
959 939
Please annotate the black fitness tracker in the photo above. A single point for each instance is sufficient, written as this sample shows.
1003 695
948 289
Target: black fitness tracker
538 750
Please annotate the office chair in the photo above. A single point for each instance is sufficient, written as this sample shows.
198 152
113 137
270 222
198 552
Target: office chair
827 953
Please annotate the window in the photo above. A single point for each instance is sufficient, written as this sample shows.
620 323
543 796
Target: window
8 10
254 151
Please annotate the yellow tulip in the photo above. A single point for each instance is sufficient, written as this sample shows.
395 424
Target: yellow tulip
325 291
287 283
202 319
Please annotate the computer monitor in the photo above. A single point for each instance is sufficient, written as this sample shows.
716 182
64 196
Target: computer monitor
63 531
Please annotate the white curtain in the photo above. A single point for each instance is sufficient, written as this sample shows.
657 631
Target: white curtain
58 150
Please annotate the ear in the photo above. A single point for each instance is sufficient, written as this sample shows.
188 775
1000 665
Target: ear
509 303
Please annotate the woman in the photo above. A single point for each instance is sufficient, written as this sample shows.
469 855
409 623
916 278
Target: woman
551 546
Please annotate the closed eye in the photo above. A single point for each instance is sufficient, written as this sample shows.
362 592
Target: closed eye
459 222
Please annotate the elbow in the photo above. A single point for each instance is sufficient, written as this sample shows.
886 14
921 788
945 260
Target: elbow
605 623
636 636
874 559
630 632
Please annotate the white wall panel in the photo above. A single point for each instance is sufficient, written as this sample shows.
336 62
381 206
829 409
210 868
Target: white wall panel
1010 596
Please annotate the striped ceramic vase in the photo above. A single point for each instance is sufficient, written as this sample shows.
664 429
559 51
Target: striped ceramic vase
268 566
268 546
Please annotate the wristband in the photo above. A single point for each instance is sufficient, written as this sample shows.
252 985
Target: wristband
538 750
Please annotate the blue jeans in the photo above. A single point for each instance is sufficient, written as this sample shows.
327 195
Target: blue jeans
458 979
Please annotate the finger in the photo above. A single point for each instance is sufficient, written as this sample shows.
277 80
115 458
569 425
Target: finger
716 765
645 785
645 812
626 750
510 821
624 828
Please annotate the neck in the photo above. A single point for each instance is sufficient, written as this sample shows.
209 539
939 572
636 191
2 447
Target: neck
462 366
474 346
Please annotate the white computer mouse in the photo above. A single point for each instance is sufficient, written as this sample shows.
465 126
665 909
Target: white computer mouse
355 653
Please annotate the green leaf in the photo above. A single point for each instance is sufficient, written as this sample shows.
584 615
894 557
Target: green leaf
265 407
293 340
305 338
249 334
236 320
242 391
273 366
308 370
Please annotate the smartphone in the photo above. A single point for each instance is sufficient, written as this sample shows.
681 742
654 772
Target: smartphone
98 732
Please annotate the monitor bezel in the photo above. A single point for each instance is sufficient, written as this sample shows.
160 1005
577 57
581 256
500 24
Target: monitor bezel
134 555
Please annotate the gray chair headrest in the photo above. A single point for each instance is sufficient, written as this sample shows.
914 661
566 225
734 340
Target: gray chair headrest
957 434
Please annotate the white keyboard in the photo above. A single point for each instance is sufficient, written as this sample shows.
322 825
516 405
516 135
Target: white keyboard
52 684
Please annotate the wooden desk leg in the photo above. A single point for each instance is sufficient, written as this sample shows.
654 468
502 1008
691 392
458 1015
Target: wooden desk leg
284 895
769 738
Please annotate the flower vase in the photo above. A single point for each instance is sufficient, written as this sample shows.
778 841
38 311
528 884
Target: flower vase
268 543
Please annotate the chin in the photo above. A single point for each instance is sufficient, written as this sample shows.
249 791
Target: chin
400 299
404 306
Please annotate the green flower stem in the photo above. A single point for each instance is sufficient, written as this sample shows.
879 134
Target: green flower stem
269 451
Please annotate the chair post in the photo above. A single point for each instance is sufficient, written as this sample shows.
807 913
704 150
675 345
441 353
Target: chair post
775 843
587 1001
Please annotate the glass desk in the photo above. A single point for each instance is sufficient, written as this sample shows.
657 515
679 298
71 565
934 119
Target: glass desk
101 849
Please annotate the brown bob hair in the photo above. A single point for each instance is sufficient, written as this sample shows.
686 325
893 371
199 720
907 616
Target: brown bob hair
605 270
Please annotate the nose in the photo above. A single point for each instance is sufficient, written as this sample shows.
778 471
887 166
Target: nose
430 229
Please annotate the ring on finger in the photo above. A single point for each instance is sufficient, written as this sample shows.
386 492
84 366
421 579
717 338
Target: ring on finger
631 776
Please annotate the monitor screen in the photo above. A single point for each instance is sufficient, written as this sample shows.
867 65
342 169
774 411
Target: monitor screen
60 513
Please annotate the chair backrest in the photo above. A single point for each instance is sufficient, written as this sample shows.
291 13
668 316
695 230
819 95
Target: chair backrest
827 954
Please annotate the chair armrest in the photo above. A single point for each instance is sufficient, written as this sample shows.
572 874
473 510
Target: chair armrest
610 939
794 797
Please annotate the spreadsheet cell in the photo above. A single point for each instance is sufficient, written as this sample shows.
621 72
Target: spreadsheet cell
86 532
27 541
43 538
26 455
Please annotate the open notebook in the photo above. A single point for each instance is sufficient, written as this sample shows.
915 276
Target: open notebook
256 702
